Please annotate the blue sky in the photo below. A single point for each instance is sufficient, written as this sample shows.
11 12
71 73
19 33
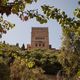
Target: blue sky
22 31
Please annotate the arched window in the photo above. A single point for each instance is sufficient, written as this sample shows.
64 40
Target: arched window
36 45
43 44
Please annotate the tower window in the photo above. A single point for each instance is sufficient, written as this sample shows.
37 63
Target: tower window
43 44
39 45
36 45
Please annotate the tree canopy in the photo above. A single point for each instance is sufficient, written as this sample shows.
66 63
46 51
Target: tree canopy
17 7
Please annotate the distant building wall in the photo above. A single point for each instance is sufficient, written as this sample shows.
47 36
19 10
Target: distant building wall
40 37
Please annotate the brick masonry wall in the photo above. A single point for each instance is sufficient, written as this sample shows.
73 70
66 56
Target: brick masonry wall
40 37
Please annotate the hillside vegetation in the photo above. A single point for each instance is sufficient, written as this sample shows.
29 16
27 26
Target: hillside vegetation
18 64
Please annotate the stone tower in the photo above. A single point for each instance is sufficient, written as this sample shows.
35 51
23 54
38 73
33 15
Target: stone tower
40 37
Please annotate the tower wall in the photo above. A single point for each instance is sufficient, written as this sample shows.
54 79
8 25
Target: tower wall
40 37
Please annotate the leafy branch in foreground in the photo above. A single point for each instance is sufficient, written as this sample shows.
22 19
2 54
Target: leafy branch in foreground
4 26
71 38
70 26
13 7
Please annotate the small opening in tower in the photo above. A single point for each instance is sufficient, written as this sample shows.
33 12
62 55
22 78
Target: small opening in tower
36 45
43 44
39 45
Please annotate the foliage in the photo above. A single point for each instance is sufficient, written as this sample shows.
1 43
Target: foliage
23 47
24 64
46 59
4 26
20 71
70 51
17 7
4 70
